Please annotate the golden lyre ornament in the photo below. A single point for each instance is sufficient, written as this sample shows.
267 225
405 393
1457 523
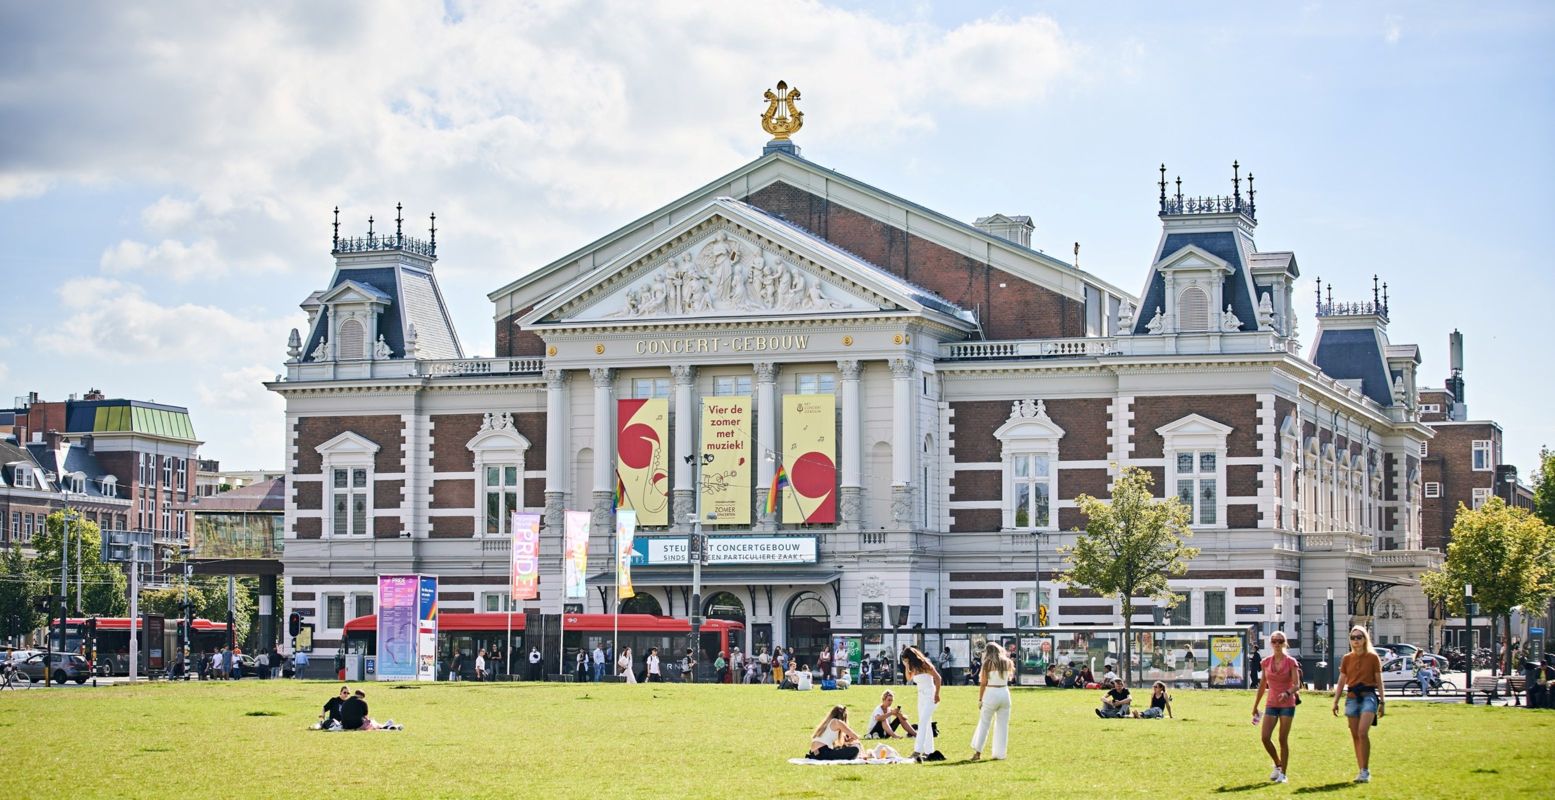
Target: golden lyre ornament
781 119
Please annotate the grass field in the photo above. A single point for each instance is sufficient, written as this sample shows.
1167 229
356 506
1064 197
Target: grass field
589 741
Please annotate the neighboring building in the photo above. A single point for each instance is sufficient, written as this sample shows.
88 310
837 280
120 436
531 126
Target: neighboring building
238 532
940 393
149 450
211 479
33 485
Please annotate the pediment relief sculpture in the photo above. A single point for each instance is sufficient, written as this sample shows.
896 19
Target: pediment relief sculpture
725 275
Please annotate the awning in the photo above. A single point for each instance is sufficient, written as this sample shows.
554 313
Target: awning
658 576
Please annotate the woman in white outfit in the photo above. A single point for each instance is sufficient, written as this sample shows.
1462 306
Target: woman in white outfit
926 677
993 702
624 665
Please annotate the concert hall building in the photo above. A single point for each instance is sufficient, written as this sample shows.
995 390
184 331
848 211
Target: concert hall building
935 394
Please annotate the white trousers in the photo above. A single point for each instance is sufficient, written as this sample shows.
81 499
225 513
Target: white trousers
993 717
925 741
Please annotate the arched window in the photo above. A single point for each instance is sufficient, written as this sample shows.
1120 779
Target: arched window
1193 309
809 626
641 603
352 339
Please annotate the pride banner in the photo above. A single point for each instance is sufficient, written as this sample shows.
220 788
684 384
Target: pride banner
426 628
642 458
626 530
524 577
726 480
575 561
398 597
810 457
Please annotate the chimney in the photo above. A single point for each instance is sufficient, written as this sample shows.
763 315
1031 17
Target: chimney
1016 228
1460 409
94 394
52 438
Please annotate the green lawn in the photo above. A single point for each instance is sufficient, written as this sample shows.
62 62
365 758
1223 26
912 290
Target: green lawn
590 741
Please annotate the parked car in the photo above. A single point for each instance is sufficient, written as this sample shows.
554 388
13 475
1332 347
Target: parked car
63 666
1400 649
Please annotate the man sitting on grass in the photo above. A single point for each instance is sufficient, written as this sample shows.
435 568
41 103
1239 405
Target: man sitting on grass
1115 702
887 720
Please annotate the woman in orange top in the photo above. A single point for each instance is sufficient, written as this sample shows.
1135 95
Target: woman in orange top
1360 680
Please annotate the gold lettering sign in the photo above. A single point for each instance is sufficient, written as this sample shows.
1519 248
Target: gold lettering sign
692 345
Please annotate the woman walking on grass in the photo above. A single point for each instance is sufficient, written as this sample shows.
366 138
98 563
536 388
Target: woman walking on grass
993 702
1360 682
1282 684
927 678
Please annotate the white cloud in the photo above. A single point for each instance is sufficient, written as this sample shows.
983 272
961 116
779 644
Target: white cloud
171 258
111 319
1392 28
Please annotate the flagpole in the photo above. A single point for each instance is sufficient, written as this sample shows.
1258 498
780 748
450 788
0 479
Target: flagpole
615 617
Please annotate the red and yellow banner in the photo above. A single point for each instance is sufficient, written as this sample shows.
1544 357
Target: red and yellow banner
810 458
525 577
642 459
726 479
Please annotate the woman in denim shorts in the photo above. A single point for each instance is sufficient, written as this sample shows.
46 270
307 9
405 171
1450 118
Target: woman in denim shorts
1360 682
1282 684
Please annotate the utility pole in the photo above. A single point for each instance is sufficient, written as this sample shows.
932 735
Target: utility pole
64 575
134 611
697 555
232 592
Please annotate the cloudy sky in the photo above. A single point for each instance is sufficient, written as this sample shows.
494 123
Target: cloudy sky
167 170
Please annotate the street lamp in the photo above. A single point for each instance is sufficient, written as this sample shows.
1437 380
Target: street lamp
1468 649
1333 665
697 555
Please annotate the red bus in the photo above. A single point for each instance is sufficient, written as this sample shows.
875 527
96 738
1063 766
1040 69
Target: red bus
472 633
113 640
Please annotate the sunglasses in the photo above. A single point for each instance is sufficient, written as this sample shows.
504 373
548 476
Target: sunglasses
1277 641
1357 638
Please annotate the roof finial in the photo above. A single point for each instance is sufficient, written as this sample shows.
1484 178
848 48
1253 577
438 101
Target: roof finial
1384 299
434 229
1252 205
369 227
1179 193
1320 296
1330 294
336 239
1236 184
782 119
399 220
1375 300
1163 187
1077 255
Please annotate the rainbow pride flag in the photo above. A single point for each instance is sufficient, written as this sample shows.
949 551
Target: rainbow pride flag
779 481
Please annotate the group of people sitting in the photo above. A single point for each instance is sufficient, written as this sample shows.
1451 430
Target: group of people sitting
1117 702
347 711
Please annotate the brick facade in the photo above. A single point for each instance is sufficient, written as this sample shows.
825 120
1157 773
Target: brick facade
1239 412
386 431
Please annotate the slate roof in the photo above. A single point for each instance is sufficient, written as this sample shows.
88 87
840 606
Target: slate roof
409 294
265 496
77 459
1223 245
1355 353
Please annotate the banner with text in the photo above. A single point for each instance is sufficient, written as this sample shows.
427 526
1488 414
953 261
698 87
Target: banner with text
524 581
726 480
810 458
658 551
626 531
397 607
426 628
575 561
642 458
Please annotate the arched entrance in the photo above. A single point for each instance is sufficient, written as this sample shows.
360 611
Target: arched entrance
642 604
724 605
808 626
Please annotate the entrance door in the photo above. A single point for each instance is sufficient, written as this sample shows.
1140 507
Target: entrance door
809 627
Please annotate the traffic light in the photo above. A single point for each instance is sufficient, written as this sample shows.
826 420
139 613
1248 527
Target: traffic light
1042 616
43 604
294 624
91 627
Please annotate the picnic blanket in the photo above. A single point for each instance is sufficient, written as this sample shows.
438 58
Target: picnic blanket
812 762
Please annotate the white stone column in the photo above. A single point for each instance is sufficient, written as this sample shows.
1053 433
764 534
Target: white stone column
683 502
852 447
604 452
902 443
556 450
766 438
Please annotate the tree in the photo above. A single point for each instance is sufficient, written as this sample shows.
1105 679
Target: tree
1508 556
105 587
1131 547
19 594
208 594
1544 487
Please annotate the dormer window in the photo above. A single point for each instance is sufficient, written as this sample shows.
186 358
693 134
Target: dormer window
1193 309
22 476
110 486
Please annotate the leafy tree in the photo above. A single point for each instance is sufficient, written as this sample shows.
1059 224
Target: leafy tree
19 591
1544 487
1130 548
105 587
1508 556
208 593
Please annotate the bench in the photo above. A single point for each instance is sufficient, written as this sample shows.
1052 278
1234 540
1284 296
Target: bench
1487 685
1516 685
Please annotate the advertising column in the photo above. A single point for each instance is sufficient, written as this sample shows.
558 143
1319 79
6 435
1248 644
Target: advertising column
397 628
426 628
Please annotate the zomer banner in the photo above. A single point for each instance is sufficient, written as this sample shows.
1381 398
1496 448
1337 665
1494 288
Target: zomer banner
726 481
575 562
642 458
397 626
809 456
525 569
626 529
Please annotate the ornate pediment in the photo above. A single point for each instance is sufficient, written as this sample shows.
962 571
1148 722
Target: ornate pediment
724 272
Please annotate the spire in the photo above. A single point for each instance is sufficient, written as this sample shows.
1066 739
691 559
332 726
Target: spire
1252 206
434 233
335 242
1236 183
1163 187
399 221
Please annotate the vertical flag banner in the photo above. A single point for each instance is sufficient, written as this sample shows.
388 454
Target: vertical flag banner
426 628
397 640
626 531
575 562
726 481
642 459
524 582
810 458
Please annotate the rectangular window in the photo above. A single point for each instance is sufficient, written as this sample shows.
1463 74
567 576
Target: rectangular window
1198 488
1430 408
1027 613
1425 449
731 385
1182 613
27 530
167 471
494 602
1031 478
183 476
815 383
1480 496
1215 608
23 477
645 388
501 490
334 611
16 526
349 502
1482 455
1433 489
364 605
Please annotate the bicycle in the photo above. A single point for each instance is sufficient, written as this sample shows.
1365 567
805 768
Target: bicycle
7 676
